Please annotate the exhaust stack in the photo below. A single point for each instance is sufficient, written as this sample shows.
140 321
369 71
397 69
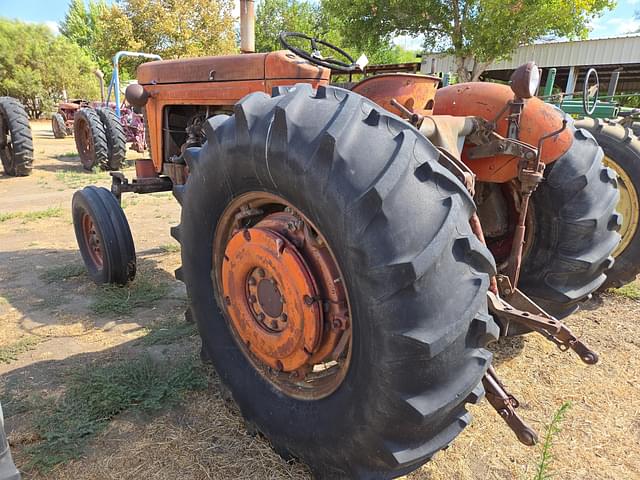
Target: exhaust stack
98 73
247 26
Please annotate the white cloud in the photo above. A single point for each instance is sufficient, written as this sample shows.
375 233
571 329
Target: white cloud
53 26
410 43
623 25
50 24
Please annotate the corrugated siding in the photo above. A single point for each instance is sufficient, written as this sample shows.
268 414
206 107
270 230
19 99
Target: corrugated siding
605 51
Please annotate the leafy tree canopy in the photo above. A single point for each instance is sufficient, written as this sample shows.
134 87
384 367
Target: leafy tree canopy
37 67
315 19
476 32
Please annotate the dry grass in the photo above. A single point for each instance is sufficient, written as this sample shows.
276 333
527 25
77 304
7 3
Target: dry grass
205 438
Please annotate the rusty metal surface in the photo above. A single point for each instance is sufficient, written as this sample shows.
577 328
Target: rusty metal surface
92 241
269 292
515 306
84 142
487 100
298 324
505 404
242 75
252 66
415 92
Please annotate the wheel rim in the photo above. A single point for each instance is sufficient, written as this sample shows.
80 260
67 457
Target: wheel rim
92 241
627 205
86 149
283 295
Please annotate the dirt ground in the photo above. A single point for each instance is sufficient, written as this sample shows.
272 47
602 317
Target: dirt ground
49 317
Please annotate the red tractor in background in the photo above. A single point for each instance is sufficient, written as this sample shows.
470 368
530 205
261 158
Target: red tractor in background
349 253
103 129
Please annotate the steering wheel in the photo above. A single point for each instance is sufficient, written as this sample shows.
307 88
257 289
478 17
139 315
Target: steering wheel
314 56
590 92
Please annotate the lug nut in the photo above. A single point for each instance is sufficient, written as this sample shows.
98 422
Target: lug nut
252 282
260 272
260 317
308 300
253 299
284 317
227 300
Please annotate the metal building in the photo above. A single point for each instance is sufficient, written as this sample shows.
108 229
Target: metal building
570 58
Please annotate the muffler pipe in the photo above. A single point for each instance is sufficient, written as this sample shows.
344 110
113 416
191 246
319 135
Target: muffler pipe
247 26
98 73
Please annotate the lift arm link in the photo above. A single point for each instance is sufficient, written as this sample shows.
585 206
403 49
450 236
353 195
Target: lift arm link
505 404
554 330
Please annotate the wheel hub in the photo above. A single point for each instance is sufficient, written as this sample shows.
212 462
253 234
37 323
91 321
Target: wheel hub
270 291
92 240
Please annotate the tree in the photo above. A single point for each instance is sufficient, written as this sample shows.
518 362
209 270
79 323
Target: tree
37 67
100 30
314 19
275 16
476 32
186 28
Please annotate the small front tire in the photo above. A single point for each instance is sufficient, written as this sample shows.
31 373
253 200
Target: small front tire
58 126
103 236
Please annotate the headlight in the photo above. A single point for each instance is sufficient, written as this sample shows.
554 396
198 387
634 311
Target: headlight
526 80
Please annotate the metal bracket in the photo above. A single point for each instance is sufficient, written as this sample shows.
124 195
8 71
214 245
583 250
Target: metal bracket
505 404
521 309
120 184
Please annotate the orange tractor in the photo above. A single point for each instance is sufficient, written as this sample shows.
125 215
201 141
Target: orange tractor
349 253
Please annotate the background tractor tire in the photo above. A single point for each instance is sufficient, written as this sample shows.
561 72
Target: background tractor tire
417 277
58 126
116 139
16 144
91 139
103 236
621 154
575 228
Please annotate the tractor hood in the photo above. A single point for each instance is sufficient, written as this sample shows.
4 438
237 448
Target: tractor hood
254 66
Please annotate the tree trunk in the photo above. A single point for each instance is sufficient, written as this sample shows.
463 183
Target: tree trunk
461 69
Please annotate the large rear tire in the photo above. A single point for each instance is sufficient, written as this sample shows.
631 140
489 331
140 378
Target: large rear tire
103 235
575 228
416 277
91 139
621 154
116 139
16 144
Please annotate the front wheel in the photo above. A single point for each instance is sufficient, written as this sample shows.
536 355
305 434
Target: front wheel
320 270
103 236
58 126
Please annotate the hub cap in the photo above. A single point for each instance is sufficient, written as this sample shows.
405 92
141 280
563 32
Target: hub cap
270 295
283 295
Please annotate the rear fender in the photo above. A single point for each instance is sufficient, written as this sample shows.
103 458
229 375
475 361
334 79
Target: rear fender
486 100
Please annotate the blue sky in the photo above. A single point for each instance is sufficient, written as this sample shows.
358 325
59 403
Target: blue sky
619 21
